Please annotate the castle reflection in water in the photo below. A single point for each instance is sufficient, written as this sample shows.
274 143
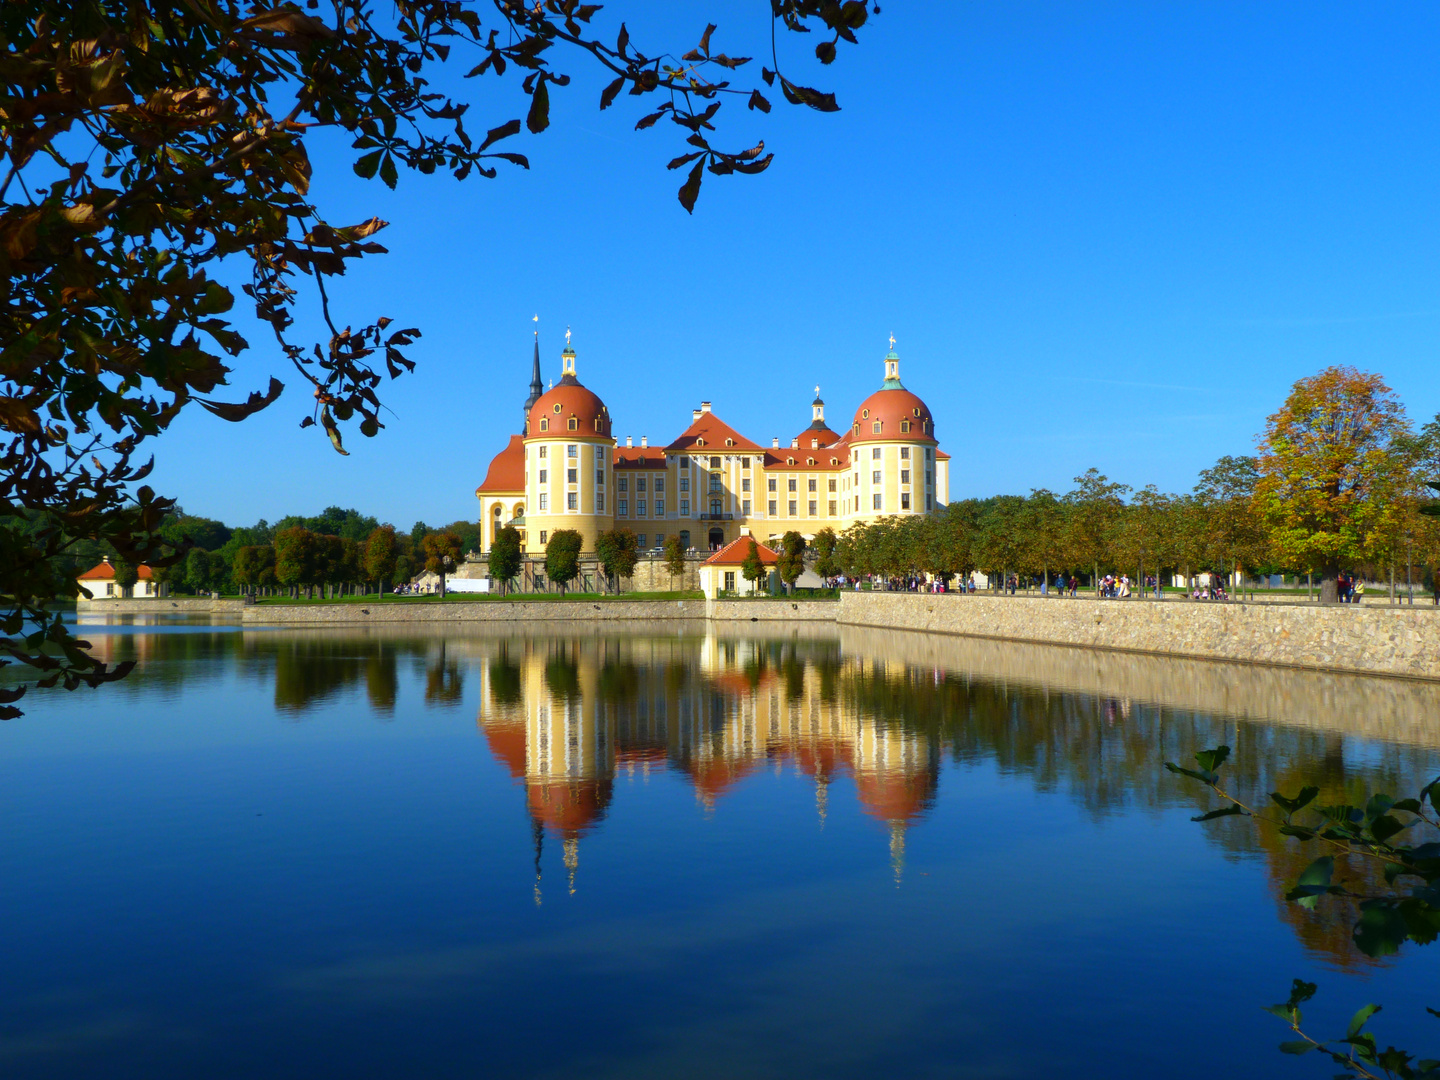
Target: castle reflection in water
567 716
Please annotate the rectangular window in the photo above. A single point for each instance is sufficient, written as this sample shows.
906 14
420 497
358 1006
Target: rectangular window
745 507
812 509
542 450
684 462
729 580
684 507
659 484
792 507
876 499
927 478
744 463
904 500
904 427
600 502
715 462
715 508
684 484
832 485
771 484
812 484
904 453
791 483
623 507
745 483
640 541
572 450
572 501
904 476
543 533
544 475
857 479
639 507
544 501
715 482
599 477
875 428
659 507
928 452
928 504
832 508
875 477
639 483
570 476
624 483
770 508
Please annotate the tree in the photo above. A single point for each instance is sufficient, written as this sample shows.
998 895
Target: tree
618 551
1094 509
126 575
197 570
674 556
505 557
254 566
295 557
1234 535
791 563
562 557
380 555
442 555
753 568
1333 471
825 564
148 143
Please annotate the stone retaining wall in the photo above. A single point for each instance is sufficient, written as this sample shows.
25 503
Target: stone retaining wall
160 605
1373 640
471 611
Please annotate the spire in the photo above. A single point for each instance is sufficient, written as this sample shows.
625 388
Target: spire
892 368
537 385
817 410
567 362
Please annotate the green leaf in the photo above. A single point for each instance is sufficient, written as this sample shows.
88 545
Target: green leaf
1314 882
1296 1046
539 117
1409 805
1223 812
1306 796
388 173
1210 760
1358 1020
365 167
1384 827
1204 778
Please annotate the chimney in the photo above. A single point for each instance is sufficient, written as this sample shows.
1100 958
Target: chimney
775 443
704 406
629 441
814 444
694 415
644 441
794 444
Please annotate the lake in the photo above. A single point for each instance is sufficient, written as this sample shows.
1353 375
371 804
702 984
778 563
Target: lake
667 850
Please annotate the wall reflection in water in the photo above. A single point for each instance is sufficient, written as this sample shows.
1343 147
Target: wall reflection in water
567 709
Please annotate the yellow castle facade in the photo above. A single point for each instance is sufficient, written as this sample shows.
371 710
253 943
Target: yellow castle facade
566 470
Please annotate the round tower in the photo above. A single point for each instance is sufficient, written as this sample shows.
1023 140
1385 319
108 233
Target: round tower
892 451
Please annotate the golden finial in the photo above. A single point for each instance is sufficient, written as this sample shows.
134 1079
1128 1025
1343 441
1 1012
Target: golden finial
892 342
817 389
567 337
536 320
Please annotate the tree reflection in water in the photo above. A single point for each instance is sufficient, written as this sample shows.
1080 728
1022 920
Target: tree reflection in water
566 711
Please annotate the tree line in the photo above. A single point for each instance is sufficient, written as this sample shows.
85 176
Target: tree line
1341 482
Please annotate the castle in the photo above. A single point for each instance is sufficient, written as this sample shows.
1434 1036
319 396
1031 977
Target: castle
710 484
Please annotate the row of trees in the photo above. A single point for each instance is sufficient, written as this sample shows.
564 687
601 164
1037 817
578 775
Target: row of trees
1341 483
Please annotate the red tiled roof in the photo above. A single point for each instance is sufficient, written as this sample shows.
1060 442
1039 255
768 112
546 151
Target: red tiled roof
105 572
507 469
714 431
826 460
941 455
891 408
816 432
565 400
735 553
639 457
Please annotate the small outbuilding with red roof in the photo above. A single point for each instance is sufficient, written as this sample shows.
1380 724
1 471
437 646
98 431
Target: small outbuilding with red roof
724 571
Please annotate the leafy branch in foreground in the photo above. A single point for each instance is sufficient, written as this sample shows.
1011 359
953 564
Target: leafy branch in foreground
1382 835
147 142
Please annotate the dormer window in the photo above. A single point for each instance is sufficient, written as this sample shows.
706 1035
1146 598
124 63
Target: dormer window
865 412
557 406
876 427
597 423
574 424
699 442
915 411
789 461
809 461
544 424
729 442
904 425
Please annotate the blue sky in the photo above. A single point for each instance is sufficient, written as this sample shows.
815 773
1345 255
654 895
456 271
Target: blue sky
1104 235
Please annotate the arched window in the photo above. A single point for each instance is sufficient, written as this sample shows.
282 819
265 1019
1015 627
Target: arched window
544 424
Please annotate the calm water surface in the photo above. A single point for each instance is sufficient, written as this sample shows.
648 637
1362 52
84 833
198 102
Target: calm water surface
642 852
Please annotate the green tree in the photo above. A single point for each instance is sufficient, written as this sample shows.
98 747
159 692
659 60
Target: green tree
753 568
562 557
1093 514
505 556
442 555
295 557
126 575
1234 533
674 556
1333 471
381 552
825 564
791 563
618 551
144 148
254 566
197 570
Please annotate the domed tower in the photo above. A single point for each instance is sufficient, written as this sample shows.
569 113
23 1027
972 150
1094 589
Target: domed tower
818 435
568 461
892 451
